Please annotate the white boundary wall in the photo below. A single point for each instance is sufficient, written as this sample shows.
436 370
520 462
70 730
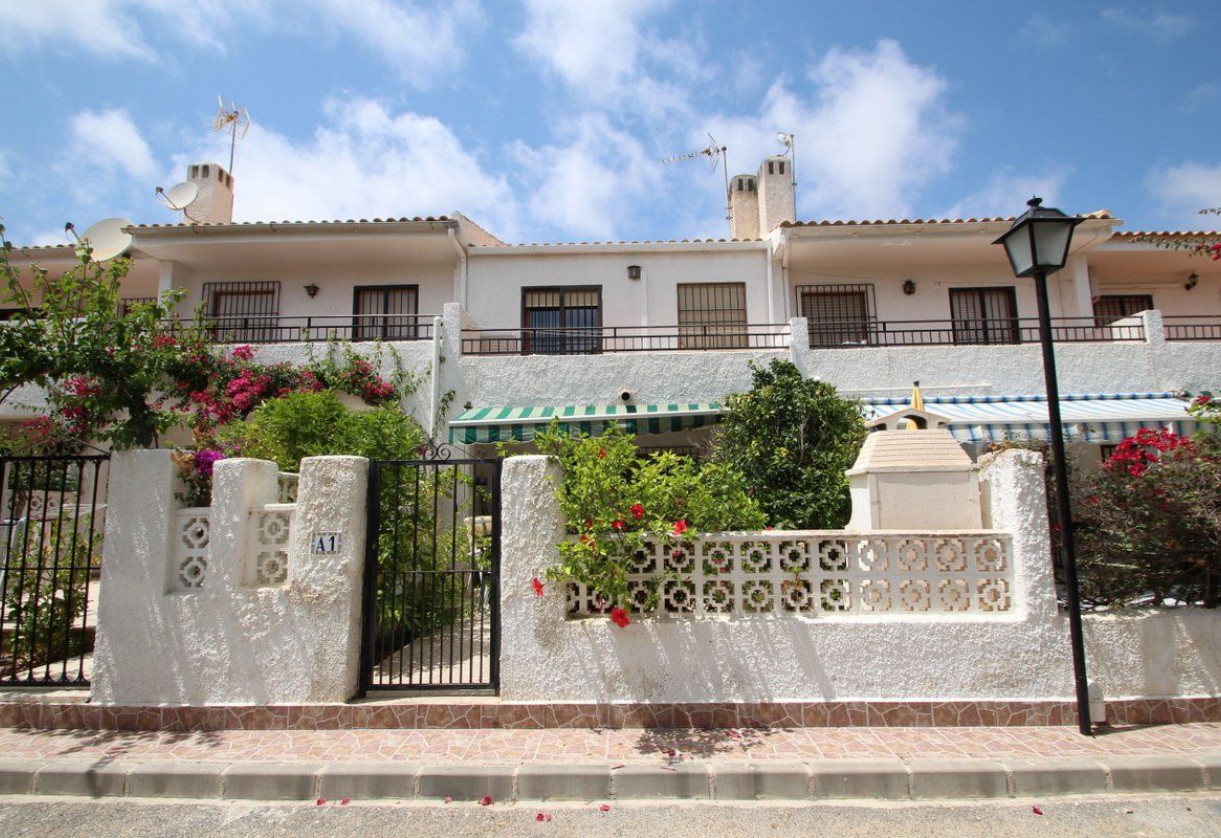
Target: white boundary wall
1020 656
231 640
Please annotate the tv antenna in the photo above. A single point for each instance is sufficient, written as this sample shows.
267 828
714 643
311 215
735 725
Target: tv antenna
789 142
233 119
717 155
180 197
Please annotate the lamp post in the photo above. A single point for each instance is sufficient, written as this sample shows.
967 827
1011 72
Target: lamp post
1037 245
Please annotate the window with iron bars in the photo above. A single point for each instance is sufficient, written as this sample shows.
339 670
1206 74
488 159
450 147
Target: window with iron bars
1111 307
561 320
386 312
984 315
838 315
243 311
712 315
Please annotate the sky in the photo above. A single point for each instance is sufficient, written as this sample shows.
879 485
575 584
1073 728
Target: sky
549 120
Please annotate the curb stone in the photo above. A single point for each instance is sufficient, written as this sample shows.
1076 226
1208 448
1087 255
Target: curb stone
844 779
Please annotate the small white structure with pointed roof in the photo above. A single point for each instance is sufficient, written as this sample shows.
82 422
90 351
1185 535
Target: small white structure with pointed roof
912 474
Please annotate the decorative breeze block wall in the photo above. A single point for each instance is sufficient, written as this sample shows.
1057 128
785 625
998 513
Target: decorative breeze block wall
818 573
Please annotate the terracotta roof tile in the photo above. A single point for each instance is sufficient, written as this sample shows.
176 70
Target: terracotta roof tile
632 242
1097 214
297 223
1170 234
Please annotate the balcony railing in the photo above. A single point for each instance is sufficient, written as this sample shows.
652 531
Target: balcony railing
857 333
596 340
1192 327
303 329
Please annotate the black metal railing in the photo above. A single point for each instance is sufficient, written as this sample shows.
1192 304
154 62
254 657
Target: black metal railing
1192 327
850 334
304 329
606 339
51 543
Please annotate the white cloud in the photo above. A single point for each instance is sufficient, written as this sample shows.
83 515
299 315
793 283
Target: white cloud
1044 32
587 187
414 39
1162 27
1202 97
370 163
1006 192
418 41
115 28
111 140
1182 191
871 129
594 46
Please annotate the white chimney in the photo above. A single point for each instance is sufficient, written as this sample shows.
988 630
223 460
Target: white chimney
215 202
744 207
776 199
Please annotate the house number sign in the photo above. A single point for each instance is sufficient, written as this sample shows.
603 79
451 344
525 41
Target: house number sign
326 543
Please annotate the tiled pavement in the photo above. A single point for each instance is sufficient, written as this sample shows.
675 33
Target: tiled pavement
626 745
606 764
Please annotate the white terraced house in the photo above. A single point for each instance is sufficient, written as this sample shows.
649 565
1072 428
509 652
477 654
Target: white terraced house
658 332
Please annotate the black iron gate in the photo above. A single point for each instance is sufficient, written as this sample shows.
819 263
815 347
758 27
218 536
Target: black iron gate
51 542
432 569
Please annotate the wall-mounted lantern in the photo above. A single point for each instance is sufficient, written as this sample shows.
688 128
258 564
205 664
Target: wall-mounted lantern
1192 281
633 271
909 287
312 290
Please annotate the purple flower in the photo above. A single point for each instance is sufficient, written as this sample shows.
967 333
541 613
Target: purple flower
205 459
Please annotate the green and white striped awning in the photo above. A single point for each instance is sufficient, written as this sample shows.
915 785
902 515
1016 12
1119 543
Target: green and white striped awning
507 424
1087 417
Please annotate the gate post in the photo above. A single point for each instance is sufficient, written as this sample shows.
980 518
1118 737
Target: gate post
533 527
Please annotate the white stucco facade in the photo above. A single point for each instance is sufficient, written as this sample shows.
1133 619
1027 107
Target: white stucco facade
222 633
1019 656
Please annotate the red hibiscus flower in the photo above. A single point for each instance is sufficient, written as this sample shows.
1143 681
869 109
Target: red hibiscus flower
619 617
617 525
680 526
538 586
602 454
637 511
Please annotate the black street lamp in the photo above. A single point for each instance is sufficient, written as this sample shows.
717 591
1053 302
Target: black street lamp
1037 245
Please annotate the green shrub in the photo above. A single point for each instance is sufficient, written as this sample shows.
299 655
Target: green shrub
615 502
299 425
793 438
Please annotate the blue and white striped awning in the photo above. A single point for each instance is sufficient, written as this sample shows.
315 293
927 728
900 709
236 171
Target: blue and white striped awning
508 424
1087 417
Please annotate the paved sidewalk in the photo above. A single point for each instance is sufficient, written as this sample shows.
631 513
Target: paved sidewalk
594 765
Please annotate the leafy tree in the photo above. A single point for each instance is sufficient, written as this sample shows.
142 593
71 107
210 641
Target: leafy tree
793 438
102 370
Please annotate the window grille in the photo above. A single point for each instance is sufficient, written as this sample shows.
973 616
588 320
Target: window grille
243 311
712 315
386 312
838 315
1111 307
984 315
562 321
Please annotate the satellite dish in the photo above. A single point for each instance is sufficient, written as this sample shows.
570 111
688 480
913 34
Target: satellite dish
107 238
179 197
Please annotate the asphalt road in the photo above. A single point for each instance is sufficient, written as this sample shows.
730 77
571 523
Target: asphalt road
1149 816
